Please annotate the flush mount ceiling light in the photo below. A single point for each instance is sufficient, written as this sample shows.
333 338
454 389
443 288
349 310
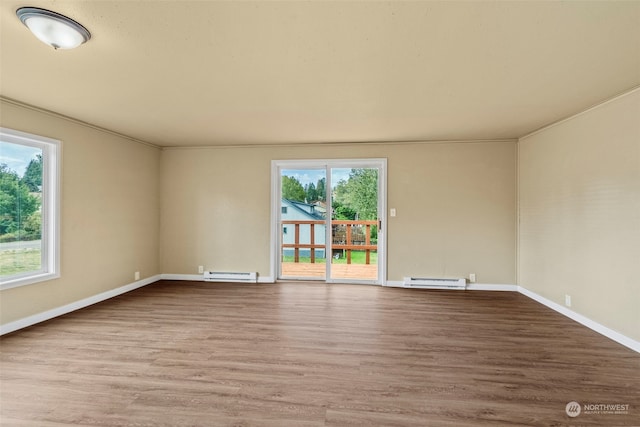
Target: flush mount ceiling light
54 29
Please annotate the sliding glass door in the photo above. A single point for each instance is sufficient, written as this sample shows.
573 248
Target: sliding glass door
354 223
303 223
328 218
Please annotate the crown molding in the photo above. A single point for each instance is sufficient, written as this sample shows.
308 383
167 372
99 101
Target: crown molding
24 105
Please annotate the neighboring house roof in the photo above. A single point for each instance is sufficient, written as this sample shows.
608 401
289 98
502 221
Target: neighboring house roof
320 206
305 208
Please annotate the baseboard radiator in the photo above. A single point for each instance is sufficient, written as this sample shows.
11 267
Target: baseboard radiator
221 276
429 283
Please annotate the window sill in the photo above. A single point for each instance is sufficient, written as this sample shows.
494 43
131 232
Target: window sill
27 280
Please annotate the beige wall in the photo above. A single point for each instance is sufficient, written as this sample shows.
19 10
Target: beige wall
455 202
455 207
129 207
110 213
579 193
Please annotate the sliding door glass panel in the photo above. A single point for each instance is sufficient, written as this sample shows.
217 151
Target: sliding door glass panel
303 214
354 223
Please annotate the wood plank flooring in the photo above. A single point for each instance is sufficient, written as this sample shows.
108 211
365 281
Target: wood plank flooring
303 354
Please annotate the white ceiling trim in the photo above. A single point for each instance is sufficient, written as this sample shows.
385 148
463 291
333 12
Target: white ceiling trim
75 121
586 110
341 144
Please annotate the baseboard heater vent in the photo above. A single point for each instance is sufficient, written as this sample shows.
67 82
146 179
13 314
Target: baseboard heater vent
221 276
428 283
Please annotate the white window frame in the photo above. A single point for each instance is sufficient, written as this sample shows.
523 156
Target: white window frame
51 154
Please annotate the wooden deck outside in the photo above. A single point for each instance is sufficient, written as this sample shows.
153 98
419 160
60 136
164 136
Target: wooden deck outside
338 271
347 240
347 236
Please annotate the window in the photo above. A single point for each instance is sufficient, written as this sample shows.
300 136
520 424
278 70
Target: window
284 209
29 206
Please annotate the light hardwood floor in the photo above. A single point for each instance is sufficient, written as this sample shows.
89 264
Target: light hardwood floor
302 354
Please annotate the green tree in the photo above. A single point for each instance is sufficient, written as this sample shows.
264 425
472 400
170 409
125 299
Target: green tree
33 174
292 189
360 193
33 224
311 192
16 204
343 212
321 189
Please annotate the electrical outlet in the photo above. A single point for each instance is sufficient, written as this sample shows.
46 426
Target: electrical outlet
392 211
472 277
201 269
567 300
136 275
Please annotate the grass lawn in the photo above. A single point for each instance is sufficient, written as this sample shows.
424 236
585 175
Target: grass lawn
14 261
357 257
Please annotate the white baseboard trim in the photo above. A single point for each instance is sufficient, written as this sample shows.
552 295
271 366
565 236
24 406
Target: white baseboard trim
491 287
394 284
68 308
470 286
200 278
192 277
595 326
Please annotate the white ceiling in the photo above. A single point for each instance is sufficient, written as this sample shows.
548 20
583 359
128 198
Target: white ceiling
187 73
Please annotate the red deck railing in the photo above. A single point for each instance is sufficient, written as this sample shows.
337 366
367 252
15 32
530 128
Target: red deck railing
347 241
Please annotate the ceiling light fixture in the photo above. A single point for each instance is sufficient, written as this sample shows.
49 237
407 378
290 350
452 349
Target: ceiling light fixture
54 29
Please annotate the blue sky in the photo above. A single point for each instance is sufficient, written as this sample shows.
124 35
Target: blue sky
16 156
306 176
